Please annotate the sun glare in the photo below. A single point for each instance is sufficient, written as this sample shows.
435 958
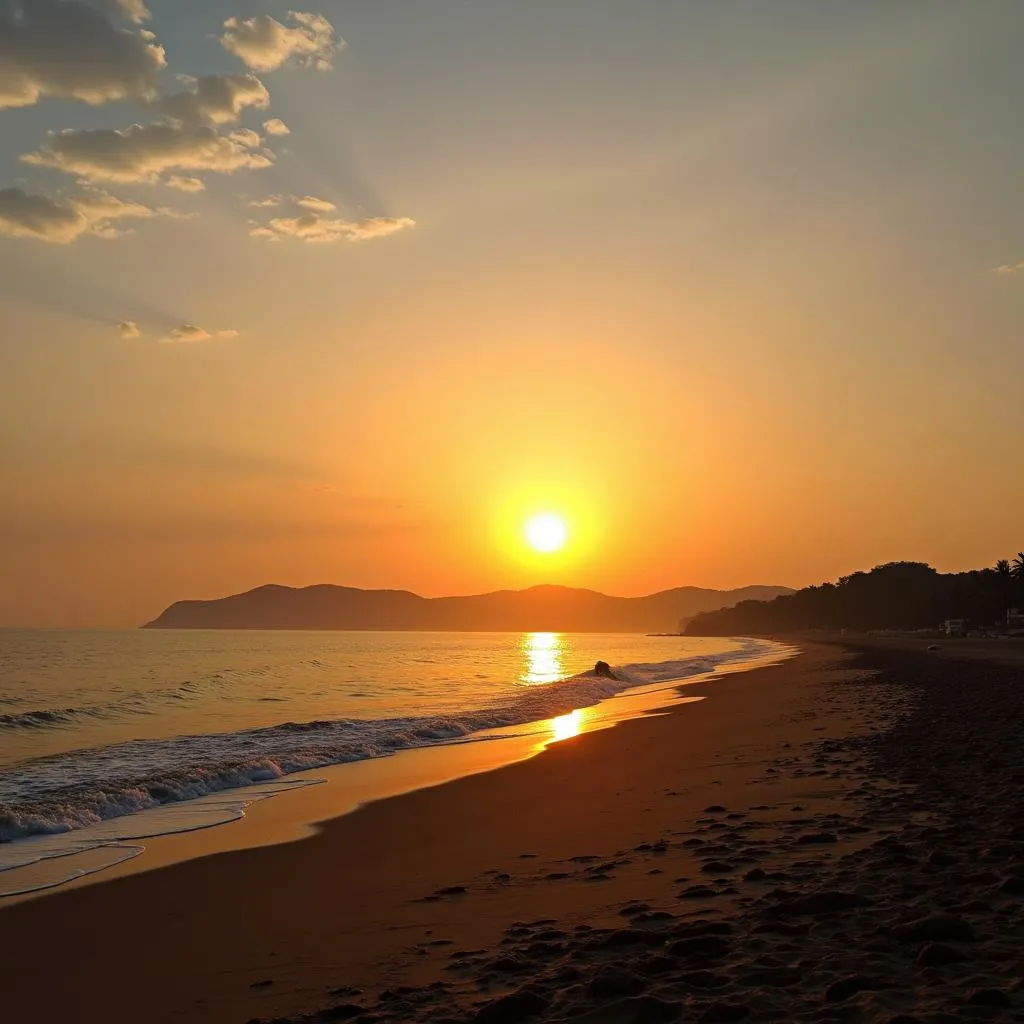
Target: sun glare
546 532
564 727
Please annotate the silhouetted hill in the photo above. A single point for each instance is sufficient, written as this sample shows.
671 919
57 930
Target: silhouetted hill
562 609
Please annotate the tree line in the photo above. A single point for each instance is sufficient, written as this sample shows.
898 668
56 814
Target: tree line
896 595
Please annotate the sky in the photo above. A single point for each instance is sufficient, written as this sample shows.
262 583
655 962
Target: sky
345 293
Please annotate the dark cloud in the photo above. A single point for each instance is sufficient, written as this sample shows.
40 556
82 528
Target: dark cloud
133 10
27 215
69 50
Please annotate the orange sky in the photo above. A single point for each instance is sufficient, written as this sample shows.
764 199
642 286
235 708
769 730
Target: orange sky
716 284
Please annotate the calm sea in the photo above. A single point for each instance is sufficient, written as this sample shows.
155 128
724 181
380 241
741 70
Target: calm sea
106 736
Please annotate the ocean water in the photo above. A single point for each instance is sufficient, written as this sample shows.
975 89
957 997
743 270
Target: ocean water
109 737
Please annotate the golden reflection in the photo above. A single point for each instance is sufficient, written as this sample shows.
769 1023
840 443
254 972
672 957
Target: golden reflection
566 726
542 657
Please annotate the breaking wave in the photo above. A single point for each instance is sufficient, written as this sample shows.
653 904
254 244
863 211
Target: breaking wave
126 778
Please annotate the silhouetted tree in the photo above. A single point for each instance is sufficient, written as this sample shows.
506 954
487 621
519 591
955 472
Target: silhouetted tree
1017 569
1004 587
896 595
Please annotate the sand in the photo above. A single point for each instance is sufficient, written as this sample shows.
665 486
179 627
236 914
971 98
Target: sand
839 837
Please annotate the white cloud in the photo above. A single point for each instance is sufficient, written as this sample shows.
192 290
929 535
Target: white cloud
68 50
28 215
275 126
144 153
264 44
1009 268
129 330
190 333
216 99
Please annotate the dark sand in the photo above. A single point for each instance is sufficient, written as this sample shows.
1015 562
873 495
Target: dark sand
840 837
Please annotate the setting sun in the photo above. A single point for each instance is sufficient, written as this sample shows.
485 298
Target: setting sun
546 532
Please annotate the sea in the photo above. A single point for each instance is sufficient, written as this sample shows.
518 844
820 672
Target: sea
108 738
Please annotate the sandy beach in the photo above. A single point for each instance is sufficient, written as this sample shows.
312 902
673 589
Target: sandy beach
837 837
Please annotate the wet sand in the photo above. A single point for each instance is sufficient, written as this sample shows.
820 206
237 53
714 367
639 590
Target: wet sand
839 837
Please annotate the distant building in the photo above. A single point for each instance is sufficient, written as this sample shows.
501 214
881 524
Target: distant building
956 627
1015 618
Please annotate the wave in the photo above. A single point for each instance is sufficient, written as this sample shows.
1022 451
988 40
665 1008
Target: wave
127 778
48 718
144 702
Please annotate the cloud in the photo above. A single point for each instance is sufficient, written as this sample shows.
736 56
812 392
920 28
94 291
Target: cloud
143 153
314 204
129 330
28 215
68 50
264 44
247 137
306 219
313 227
275 126
190 333
1009 268
216 99
183 184
305 202
133 10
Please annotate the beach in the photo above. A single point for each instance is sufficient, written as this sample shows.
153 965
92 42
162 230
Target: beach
835 837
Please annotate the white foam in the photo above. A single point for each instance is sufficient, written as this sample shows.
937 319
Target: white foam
47 860
145 788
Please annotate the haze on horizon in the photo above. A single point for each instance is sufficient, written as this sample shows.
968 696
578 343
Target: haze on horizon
735 288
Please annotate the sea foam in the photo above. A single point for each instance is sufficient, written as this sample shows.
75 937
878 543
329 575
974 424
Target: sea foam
128 790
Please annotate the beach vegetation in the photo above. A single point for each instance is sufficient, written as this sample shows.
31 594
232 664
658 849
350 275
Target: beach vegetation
891 596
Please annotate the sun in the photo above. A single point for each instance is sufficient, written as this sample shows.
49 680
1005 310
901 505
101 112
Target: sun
546 532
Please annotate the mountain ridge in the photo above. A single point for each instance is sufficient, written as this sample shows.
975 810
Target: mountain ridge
545 607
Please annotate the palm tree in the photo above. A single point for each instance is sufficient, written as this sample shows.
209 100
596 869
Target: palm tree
1018 574
1004 580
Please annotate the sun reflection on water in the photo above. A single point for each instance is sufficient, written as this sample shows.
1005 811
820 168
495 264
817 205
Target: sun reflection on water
542 658
566 726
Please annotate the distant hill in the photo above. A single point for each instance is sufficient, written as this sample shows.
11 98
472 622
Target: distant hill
562 609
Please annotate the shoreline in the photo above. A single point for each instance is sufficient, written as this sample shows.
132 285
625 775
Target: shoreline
344 905
322 794
768 853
